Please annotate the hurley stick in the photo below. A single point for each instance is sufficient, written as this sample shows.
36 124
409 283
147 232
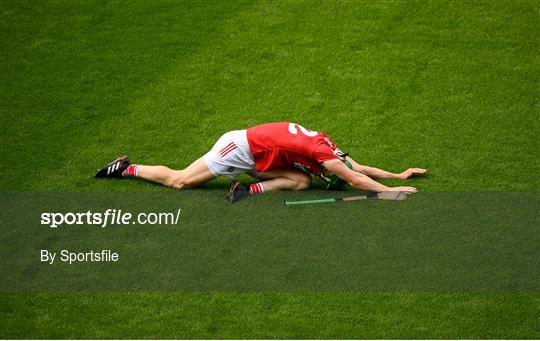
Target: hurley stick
396 196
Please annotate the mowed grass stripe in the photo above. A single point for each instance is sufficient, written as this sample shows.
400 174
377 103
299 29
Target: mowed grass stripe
271 315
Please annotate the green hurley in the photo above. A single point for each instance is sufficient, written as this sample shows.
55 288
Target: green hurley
396 196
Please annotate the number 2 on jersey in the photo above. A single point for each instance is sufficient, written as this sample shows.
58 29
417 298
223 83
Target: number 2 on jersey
293 129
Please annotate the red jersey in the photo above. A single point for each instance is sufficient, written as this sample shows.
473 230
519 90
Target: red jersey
284 145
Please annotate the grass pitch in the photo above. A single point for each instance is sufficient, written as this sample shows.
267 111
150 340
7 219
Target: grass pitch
448 86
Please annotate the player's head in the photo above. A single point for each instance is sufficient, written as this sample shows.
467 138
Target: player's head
333 182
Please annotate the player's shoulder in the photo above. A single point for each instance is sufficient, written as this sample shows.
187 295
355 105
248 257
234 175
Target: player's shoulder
270 125
326 145
327 140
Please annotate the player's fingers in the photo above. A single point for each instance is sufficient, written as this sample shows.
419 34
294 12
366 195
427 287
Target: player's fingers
406 189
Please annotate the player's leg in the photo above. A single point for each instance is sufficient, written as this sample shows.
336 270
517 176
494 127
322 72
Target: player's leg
284 179
276 180
229 156
194 175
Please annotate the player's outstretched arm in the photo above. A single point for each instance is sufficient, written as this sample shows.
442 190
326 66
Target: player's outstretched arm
359 180
378 173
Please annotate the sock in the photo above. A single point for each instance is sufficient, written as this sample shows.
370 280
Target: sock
132 170
255 189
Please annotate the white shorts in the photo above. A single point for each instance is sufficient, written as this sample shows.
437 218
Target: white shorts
230 156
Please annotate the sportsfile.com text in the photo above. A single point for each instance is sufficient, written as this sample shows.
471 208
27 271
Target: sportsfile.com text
110 217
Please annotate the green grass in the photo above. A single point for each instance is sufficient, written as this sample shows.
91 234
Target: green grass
270 315
451 86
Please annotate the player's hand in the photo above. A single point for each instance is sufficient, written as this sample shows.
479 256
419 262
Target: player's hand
411 172
406 189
